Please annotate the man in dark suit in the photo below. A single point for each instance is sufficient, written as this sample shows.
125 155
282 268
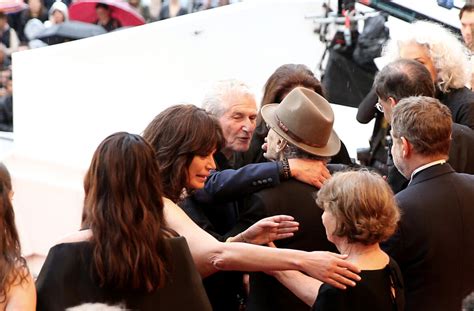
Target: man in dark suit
434 244
404 78
219 208
300 127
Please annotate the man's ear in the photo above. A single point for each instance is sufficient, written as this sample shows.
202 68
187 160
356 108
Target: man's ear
407 147
281 144
391 101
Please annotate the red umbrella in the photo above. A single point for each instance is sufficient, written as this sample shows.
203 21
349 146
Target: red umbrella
12 6
84 11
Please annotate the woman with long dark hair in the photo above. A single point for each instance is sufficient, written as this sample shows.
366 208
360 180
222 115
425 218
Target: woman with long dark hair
17 289
128 255
178 135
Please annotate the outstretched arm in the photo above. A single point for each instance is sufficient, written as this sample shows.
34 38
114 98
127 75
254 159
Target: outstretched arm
211 255
229 185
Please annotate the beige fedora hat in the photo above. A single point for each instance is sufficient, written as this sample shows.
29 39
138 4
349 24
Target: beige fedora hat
305 119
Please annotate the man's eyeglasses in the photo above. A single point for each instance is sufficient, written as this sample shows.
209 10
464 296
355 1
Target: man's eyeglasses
379 107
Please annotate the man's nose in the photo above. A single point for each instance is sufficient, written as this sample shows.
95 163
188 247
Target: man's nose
248 125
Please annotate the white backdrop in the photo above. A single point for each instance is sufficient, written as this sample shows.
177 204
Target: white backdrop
69 97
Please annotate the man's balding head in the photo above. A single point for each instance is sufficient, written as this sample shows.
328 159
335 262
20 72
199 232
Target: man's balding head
399 79
403 78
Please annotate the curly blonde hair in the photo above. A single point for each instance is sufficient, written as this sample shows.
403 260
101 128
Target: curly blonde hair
363 205
448 53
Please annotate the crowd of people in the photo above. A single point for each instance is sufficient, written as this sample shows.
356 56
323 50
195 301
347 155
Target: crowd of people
56 12
224 207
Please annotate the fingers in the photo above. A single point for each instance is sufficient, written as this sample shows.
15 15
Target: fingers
281 236
345 273
334 270
339 282
287 230
348 276
279 221
284 227
341 278
325 172
343 264
318 184
280 218
322 177
288 224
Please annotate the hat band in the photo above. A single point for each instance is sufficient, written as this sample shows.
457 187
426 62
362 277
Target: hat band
287 131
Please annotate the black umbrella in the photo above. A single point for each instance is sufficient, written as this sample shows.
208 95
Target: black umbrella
68 31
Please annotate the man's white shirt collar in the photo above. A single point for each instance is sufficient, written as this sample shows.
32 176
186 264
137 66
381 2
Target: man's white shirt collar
423 167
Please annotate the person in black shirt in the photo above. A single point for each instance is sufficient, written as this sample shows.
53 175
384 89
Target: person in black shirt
359 213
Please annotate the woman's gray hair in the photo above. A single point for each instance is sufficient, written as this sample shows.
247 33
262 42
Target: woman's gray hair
214 101
448 53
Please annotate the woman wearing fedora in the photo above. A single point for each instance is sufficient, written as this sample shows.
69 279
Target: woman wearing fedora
301 126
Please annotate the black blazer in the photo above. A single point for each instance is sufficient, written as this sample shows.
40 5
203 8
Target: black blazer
219 207
434 244
295 199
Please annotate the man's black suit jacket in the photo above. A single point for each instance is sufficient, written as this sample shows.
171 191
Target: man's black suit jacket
295 199
434 244
461 157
